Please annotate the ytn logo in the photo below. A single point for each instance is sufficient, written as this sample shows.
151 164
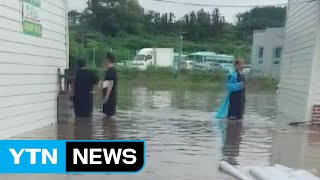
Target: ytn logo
34 153
60 157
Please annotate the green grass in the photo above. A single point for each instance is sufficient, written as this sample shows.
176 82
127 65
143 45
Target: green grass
164 78
159 77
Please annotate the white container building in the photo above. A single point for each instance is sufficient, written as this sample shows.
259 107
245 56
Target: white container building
266 52
300 67
33 45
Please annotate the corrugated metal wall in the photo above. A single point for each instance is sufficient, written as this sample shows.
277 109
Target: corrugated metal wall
28 66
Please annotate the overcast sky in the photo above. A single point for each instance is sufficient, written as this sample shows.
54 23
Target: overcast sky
180 10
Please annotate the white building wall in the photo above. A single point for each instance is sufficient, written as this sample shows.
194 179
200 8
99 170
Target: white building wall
258 41
273 38
269 39
296 69
28 67
314 93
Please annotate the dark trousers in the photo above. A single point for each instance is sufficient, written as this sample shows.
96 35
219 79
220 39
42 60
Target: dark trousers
83 105
110 108
236 106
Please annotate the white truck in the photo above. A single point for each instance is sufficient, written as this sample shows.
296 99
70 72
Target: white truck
162 57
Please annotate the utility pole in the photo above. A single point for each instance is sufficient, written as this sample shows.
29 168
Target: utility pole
82 39
181 51
94 58
77 51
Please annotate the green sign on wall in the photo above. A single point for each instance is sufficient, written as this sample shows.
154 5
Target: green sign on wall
31 16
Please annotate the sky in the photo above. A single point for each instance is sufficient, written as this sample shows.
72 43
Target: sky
179 10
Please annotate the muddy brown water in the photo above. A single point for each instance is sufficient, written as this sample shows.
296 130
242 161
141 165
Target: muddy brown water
183 140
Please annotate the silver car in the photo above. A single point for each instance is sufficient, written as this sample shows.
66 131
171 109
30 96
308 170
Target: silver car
210 67
217 67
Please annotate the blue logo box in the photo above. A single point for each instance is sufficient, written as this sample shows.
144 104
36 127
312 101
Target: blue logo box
50 156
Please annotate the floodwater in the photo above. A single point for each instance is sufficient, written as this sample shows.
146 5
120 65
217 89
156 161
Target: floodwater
184 141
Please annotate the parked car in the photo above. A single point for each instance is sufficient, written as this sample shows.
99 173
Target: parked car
190 64
200 66
218 68
210 67
183 63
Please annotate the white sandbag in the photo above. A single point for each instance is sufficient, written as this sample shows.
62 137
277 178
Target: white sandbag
302 174
277 174
259 173
246 171
226 167
283 168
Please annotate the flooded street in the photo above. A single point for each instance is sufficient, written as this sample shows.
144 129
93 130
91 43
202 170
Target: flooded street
183 140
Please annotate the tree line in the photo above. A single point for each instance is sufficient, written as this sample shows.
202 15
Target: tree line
113 17
126 19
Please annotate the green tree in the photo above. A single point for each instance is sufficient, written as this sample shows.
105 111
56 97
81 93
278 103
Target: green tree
259 18
124 26
74 18
114 16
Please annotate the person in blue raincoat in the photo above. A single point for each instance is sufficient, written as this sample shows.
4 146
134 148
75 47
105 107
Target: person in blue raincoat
233 106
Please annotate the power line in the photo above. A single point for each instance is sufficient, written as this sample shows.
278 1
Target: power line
228 6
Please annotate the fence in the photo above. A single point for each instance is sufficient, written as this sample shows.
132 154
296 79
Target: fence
95 56
64 100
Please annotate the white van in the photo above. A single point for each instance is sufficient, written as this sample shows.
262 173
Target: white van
162 57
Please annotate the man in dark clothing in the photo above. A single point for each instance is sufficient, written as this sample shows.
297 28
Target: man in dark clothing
238 98
110 87
233 106
83 87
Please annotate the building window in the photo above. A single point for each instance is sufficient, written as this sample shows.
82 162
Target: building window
278 52
277 55
260 55
198 58
261 52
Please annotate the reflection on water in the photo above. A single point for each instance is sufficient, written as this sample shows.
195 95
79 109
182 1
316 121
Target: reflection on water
288 149
232 140
183 139
88 128
83 128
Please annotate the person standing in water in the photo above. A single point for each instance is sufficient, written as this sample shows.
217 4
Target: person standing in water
238 97
110 87
83 87
233 106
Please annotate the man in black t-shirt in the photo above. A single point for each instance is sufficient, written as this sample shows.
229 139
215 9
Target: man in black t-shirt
82 89
110 90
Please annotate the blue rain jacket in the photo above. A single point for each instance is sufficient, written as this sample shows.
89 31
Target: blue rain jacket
232 86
